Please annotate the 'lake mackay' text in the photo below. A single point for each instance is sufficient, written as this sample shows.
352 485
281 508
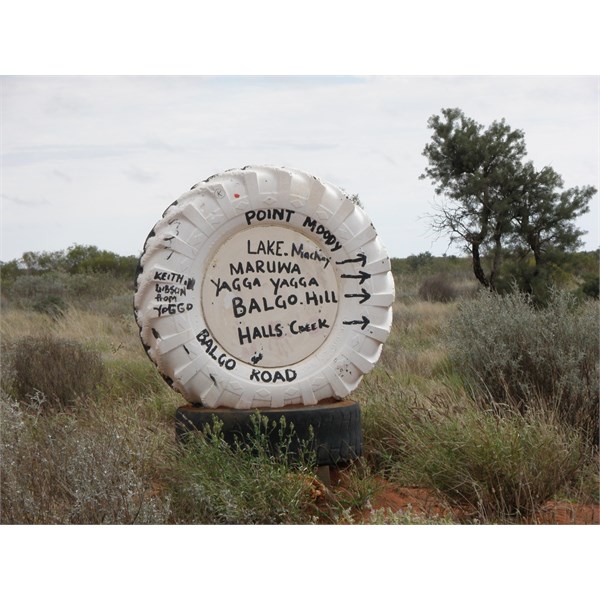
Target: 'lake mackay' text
276 248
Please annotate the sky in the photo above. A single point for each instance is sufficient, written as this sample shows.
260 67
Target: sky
96 159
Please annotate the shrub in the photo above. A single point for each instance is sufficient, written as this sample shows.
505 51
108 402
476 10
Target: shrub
495 468
420 262
53 306
437 289
591 287
245 483
94 286
514 354
35 287
383 516
61 370
89 465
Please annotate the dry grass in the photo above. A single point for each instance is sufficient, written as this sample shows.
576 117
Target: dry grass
415 353
115 459
95 329
95 463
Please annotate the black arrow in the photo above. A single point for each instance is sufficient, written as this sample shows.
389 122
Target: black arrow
364 295
361 258
364 322
362 276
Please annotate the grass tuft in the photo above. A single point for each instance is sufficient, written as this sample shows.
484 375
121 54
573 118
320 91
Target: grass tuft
497 467
62 371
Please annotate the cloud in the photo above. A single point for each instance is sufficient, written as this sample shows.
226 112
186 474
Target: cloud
140 175
65 105
28 155
310 147
62 175
27 202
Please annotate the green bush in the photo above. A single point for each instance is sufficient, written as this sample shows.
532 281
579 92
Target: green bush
54 306
591 287
28 289
61 370
514 354
247 483
92 286
420 262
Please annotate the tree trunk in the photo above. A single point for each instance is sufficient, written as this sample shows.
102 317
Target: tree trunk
496 260
477 268
476 241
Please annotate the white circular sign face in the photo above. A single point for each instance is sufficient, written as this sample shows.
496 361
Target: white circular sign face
270 296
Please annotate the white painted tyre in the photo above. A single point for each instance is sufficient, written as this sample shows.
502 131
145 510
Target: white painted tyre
263 287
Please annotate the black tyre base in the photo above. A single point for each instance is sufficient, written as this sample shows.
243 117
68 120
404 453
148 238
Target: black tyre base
336 427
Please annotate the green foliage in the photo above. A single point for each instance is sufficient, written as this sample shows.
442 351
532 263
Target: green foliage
420 262
584 264
493 200
43 261
536 280
61 370
543 213
54 306
249 482
360 486
129 378
94 286
591 287
514 354
78 276
75 259
426 420
475 170
88 259
385 516
9 271
31 288
412 272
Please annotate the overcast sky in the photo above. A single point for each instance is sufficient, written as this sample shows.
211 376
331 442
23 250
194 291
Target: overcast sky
96 160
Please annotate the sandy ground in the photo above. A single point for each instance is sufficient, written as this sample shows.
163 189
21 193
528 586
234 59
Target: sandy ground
427 503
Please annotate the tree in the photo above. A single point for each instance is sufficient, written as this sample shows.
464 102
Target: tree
420 261
89 259
43 261
474 170
544 214
492 200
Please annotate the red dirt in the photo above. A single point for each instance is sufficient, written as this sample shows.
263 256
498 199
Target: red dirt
427 503
418 501
566 513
